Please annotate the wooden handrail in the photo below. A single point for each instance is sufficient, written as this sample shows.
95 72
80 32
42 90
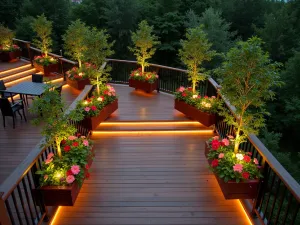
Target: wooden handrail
51 54
18 174
68 61
22 41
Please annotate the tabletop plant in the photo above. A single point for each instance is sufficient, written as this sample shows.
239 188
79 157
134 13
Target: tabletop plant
144 42
194 51
6 40
248 78
98 49
74 41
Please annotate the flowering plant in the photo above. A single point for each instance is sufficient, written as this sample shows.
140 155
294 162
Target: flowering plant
80 73
204 104
229 165
73 166
93 105
149 77
45 60
9 48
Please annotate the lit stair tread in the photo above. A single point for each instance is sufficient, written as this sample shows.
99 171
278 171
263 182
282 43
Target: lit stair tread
20 75
12 71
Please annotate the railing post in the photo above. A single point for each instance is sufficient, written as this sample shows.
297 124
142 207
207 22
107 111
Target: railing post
29 53
4 217
62 68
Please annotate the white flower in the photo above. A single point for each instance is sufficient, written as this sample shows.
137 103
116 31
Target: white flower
195 96
239 156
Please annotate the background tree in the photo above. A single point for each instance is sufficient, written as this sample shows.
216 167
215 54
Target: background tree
144 42
6 36
195 49
248 78
43 28
23 28
98 50
74 40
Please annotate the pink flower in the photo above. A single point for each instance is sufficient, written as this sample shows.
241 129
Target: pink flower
238 168
71 138
87 109
85 142
221 155
181 89
230 137
75 169
45 177
50 155
255 161
70 179
49 160
216 138
213 96
225 141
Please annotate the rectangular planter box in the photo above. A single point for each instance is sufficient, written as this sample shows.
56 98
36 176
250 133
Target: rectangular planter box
46 70
145 86
10 56
205 118
242 190
92 123
206 151
78 84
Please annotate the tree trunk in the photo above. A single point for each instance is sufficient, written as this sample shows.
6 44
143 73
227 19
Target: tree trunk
143 68
98 86
58 148
79 63
237 142
194 86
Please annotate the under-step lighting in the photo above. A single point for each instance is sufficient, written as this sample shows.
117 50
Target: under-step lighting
14 69
19 74
154 123
246 214
152 132
55 216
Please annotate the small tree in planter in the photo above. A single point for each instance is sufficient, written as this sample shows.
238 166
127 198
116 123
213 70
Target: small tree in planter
195 50
247 77
98 49
8 51
74 39
144 48
43 29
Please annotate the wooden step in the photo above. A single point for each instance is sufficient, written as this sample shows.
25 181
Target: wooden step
15 70
18 76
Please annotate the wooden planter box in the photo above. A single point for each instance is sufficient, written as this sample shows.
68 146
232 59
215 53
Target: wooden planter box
10 56
78 84
242 190
206 151
92 123
190 111
145 86
46 70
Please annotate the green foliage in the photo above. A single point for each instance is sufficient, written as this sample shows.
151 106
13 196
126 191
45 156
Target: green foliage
6 36
74 40
149 77
144 42
23 28
9 11
247 79
43 28
195 49
50 110
84 72
98 50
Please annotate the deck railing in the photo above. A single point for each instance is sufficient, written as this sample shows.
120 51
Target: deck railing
17 203
278 200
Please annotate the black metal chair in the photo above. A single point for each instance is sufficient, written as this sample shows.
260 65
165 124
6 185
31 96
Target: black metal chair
37 78
5 94
9 109
59 89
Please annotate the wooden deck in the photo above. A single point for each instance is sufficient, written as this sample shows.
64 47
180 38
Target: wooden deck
15 144
150 178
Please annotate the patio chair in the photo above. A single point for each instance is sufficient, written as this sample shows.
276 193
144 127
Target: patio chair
59 89
9 109
4 94
37 78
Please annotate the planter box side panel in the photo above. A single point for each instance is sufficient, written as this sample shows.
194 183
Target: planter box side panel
78 84
10 56
205 118
241 190
145 86
46 70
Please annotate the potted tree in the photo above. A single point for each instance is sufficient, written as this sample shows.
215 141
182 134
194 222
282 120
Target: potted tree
74 43
8 51
144 42
45 63
61 175
196 49
98 109
248 78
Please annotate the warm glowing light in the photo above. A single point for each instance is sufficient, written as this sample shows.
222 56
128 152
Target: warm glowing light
246 215
19 74
16 81
17 68
58 175
153 132
55 216
100 99
85 102
154 123
195 96
206 104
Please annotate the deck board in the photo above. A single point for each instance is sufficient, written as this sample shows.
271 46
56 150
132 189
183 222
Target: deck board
168 183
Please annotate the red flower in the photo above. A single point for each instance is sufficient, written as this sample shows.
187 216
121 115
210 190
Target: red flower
94 108
67 148
245 175
222 143
93 97
247 158
105 92
78 134
190 89
75 144
69 172
205 96
87 166
63 142
215 144
183 94
88 100
87 175
215 163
